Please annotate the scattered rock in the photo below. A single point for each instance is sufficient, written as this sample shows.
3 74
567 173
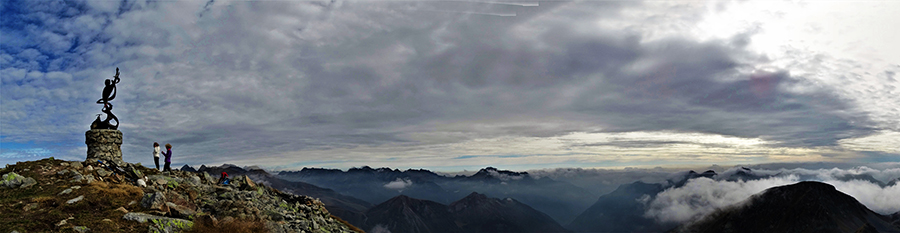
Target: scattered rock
141 183
81 229
103 172
63 222
106 220
88 178
68 190
73 200
154 201
194 180
63 164
159 223
122 209
90 168
31 206
76 165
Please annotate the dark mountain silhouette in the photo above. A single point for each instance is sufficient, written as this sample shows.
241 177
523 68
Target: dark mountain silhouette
893 182
478 213
474 213
692 175
405 214
346 207
188 168
802 207
744 174
864 177
561 200
621 211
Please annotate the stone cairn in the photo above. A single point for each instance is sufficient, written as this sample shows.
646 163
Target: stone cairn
104 144
104 140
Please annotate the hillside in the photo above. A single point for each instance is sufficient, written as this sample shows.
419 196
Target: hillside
52 195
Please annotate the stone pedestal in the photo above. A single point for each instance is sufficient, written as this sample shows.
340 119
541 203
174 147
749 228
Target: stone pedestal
104 144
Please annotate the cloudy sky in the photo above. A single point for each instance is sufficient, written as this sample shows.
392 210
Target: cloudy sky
452 85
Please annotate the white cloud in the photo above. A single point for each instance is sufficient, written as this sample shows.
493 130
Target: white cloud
702 196
398 184
883 200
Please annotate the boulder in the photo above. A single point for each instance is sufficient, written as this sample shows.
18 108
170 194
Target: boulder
180 211
154 201
13 180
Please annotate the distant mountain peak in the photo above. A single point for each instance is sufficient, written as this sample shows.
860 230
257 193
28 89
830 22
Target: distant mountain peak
188 168
476 196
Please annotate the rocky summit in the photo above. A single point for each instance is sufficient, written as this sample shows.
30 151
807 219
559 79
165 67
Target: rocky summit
53 195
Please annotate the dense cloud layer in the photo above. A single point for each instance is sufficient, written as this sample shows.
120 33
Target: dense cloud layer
348 83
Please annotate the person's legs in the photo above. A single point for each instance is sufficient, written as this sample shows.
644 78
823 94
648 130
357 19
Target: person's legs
156 160
167 168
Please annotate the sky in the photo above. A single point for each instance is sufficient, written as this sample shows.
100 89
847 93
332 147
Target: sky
456 85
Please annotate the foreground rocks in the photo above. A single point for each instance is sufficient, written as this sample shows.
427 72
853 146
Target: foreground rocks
88 197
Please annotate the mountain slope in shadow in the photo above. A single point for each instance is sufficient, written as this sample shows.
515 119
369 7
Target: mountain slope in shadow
474 213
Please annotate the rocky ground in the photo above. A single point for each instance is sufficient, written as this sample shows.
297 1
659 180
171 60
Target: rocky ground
52 195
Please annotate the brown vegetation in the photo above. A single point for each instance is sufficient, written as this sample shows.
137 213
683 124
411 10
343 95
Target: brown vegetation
229 225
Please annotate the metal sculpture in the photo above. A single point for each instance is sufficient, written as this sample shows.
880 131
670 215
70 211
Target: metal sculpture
109 93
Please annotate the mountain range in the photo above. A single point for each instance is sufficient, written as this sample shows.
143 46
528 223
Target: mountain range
560 200
507 201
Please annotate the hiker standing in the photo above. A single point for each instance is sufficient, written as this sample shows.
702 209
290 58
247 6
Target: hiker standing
168 155
156 154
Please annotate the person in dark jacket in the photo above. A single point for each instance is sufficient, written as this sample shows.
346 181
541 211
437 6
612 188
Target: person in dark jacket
168 155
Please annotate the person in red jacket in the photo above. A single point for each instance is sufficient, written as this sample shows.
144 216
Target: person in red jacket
223 179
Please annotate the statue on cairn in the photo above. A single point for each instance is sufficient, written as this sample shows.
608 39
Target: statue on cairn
109 93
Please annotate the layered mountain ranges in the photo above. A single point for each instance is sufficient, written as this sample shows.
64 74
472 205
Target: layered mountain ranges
493 200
